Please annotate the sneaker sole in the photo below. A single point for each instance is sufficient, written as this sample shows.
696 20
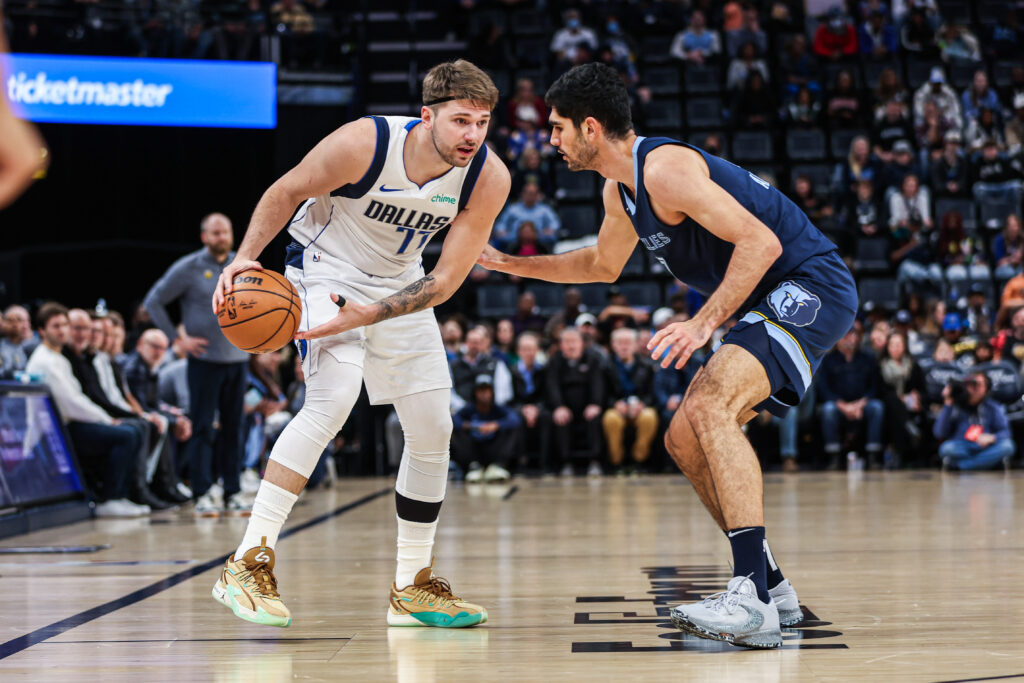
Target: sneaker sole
790 617
759 641
221 595
459 621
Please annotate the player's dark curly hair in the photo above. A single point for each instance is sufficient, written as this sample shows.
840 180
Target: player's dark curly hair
593 90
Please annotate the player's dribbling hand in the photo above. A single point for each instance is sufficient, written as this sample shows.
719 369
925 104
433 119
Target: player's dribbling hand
678 341
350 316
227 276
491 259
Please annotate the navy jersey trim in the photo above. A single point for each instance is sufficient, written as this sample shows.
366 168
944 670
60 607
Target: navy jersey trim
380 155
469 182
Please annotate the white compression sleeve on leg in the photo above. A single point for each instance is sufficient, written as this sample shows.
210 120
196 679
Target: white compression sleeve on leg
330 394
422 478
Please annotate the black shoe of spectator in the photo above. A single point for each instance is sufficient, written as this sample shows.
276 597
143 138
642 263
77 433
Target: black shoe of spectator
874 460
146 497
171 495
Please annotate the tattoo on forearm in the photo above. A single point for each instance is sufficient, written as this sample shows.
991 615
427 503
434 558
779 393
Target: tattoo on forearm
415 297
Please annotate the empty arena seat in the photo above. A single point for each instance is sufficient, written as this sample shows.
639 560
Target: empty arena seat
578 220
871 255
550 296
994 212
531 51
820 175
642 294
754 145
528 22
636 265
655 49
664 113
806 143
574 185
919 70
881 290
594 296
663 80
704 112
702 78
841 139
1001 73
699 138
496 301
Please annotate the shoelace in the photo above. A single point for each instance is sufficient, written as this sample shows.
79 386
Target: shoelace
438 590
727 600
260 578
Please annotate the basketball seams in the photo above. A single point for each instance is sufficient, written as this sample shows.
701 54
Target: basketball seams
255 293
255 317
284 318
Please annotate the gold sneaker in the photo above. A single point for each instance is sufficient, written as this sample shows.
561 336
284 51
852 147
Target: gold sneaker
429 602
248 588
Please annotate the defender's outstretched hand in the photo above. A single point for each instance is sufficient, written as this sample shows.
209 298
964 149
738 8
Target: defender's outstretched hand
350 316
678 341
227 276
492 259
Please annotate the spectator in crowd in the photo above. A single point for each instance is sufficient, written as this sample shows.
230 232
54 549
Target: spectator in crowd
959 253
910 226
957 45
632 398
143 382
844 109
1008 248
889 88
106 448
891 127
949 171
743 65
901 165
529 380
696 44
576 396
301 43
942 95
836 37
526 104
566 316
878 337
530 208
477 360
110 372
973 427
864 218
982 129
1013 133
902 393
749 31
216 369
574 36
963 345
803 110
815 205
526 318
877 37
532 167
847 389
1009 342
755 105
977 95
527 243
621 44
799 68
18 341
527 133
903 323
931 131
484 435
505 337
993 176
858 165
978 317
452 334
1005 39
918 35
490 48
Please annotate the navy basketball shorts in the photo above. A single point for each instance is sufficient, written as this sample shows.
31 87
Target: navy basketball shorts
796 324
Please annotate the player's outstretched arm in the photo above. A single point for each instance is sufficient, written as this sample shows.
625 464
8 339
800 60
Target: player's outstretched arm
466 238
676 181
20 145
600 263
339 159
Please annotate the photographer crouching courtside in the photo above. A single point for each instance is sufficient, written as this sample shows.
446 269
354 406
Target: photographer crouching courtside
973 427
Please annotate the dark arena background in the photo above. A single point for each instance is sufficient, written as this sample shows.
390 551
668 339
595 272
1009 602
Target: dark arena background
891 492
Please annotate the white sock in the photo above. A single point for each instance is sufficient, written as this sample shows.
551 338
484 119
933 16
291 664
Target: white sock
415 545
269 513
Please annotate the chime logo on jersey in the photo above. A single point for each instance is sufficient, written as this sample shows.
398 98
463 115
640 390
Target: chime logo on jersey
403 217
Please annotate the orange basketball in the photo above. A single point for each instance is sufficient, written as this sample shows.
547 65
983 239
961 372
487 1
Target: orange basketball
262 312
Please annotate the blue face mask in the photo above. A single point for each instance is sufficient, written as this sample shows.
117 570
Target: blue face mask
612 27
573 23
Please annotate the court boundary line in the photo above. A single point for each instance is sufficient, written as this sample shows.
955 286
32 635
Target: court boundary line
983 678
21 643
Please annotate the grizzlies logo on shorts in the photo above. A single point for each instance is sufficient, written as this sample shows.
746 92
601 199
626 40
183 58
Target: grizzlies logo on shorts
793 304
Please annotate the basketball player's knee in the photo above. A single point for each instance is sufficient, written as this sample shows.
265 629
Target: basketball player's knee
705 411
431 435
326 409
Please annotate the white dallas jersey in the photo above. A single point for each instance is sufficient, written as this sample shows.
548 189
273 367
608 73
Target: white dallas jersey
381 224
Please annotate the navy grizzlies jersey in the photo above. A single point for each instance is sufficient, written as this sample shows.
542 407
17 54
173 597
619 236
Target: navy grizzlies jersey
699 258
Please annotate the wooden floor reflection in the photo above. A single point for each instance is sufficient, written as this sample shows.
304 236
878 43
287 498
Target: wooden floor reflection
910 576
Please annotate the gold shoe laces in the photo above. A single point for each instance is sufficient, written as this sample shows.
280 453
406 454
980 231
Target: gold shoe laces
259 578
438 590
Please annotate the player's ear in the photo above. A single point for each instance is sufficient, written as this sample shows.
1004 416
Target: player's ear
427 114
591 128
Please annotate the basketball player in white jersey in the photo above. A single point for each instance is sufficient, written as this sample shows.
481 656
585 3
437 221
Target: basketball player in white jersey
373 193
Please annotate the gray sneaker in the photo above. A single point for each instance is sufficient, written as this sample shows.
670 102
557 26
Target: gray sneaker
788 604
734 616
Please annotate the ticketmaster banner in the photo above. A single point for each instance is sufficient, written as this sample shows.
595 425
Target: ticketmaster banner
141 92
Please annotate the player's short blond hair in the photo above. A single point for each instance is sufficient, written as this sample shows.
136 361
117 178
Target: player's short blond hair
459 80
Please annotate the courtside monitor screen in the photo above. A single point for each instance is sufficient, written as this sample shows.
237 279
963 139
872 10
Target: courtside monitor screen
36 465
141 92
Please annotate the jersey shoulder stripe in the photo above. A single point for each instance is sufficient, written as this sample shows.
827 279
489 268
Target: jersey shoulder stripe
380 155
472 173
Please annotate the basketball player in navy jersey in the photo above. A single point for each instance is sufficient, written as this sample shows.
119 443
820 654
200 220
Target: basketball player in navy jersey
733 237
372 195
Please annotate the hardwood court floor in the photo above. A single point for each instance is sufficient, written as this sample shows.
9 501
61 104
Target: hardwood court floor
911 576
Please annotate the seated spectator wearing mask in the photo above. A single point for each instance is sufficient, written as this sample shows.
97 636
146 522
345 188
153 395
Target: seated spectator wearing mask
973 427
